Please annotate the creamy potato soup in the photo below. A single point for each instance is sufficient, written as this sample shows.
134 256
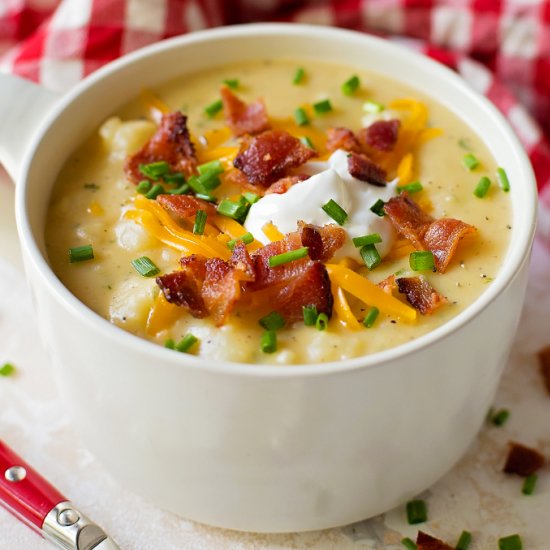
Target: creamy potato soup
321 212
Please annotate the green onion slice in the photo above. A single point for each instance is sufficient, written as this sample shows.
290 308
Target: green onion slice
170 344
372 238
482 187
322 321
272 321
299 75
335 211
144 186
300 116
370 255
145 266
232 83
378 208
236 210
350 86
155 191
512 542
500 417
307 142
409 544
422 260
175 178
371 106
470 161
529 484
200 222
268 342
413 187
214 108
7 369
464 541
503 180
371 317
181 190
310 315
417 512
322 107
289 256
214 166
251 197
155 170
186 343
81 253
247 238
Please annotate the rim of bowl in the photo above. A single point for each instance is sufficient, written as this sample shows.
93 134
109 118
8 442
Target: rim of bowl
516 257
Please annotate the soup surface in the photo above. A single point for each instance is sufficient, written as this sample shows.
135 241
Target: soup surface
96 205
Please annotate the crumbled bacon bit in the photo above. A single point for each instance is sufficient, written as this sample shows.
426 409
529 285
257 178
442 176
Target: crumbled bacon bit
427 542
266 157
442 238
362 168
388 285
242 118
381 135
420 294
284 184
185 206
313 240
170 143
544 360
522 460
323 241
342 138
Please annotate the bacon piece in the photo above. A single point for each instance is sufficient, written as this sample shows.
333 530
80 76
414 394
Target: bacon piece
323 241
185 206
420 294
442 238
381 135
408 218
388 285
522 460
427 542
284 184
544 361
242 118
266 157
171 143
342 138
183 288
362 168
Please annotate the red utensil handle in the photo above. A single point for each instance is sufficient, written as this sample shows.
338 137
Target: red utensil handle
23 490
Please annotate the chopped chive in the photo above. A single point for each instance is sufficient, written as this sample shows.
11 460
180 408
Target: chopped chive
268 342
92 186
350 86
200 222
214 108
236 210
371 106
310 315
416 512
322 107
371 316
186 343
251 197
81 253
300 116
205 197
197 186
307 142
413 187
299 75
7 369
170 344
287 257
144 186
529 484
176 178
209 167
422 260
482 187
409 544
500 417
181 190
372 238
470 161
512 542
464 541
463 142
378 208
247 238
155 170
232 83
335 211
503 180
272 321
145 266
322 321
155 191
370 255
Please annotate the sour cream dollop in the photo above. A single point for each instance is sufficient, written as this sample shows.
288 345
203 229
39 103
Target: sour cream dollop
304 201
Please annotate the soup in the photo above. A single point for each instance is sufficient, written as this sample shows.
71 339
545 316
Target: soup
402 223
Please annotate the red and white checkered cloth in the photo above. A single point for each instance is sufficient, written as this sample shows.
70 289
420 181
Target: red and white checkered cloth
501 47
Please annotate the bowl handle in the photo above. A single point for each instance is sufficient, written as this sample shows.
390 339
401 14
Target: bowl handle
22 108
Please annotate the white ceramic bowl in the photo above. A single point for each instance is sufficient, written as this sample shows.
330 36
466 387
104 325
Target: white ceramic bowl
264 448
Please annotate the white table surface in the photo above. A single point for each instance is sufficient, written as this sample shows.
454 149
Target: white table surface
475 495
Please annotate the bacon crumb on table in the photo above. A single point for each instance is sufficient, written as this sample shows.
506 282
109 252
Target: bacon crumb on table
544 360
523 460
427 542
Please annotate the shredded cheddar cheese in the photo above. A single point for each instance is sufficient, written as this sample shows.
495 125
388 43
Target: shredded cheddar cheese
343 311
